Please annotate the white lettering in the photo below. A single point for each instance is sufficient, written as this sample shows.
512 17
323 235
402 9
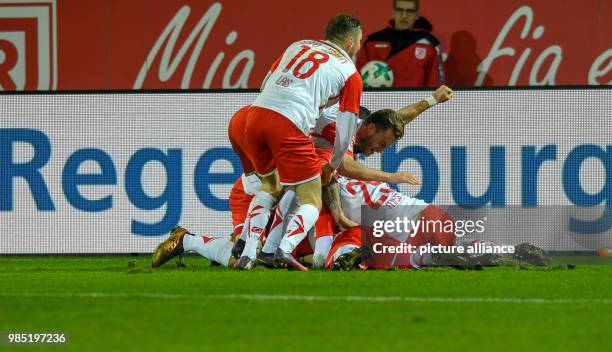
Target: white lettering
497 51
549 78
170 60
242 81
173 29
597 70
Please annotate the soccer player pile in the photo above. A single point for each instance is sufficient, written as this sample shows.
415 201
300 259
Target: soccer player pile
298 202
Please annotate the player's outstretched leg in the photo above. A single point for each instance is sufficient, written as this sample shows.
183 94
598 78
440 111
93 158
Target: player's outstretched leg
170 248
524 253
454 260
528 253
216 249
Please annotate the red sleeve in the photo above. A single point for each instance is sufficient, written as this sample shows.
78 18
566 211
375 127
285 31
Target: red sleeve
272 68
350 96
276 63
329 133
350 151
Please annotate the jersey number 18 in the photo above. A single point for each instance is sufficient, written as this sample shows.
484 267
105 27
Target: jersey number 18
315 57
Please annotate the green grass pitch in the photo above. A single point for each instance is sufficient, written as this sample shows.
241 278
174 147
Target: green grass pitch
116 303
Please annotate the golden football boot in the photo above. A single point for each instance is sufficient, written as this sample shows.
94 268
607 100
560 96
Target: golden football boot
170 248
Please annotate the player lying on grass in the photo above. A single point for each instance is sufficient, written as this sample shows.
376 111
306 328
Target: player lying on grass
220 249
348 250
377 132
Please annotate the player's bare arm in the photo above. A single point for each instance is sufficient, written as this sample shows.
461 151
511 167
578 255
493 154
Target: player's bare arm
353 169
440 95
326 173
331 199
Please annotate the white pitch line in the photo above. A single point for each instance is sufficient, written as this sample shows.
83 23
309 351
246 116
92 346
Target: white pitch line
264 297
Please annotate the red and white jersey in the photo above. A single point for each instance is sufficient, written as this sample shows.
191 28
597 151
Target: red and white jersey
324 132
309 76
389 204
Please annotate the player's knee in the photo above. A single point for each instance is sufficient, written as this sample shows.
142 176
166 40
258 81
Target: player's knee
276 192
312 200
310 193
271 185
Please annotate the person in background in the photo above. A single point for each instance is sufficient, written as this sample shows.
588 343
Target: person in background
407 46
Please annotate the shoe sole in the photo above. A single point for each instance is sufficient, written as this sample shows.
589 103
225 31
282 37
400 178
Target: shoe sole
244 263
289 263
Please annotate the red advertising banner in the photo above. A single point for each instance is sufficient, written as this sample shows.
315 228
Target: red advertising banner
156 44
521 42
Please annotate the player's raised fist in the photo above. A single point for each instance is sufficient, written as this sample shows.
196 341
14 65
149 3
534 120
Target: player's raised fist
442 94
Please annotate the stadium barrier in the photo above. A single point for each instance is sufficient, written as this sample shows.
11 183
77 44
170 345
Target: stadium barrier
112 172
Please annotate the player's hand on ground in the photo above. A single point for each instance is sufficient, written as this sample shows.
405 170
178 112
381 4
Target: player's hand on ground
327 172
442 94
404 177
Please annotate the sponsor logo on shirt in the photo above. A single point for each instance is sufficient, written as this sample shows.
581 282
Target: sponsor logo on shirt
420 53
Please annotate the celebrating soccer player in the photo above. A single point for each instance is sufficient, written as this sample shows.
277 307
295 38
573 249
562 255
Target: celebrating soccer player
309 75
